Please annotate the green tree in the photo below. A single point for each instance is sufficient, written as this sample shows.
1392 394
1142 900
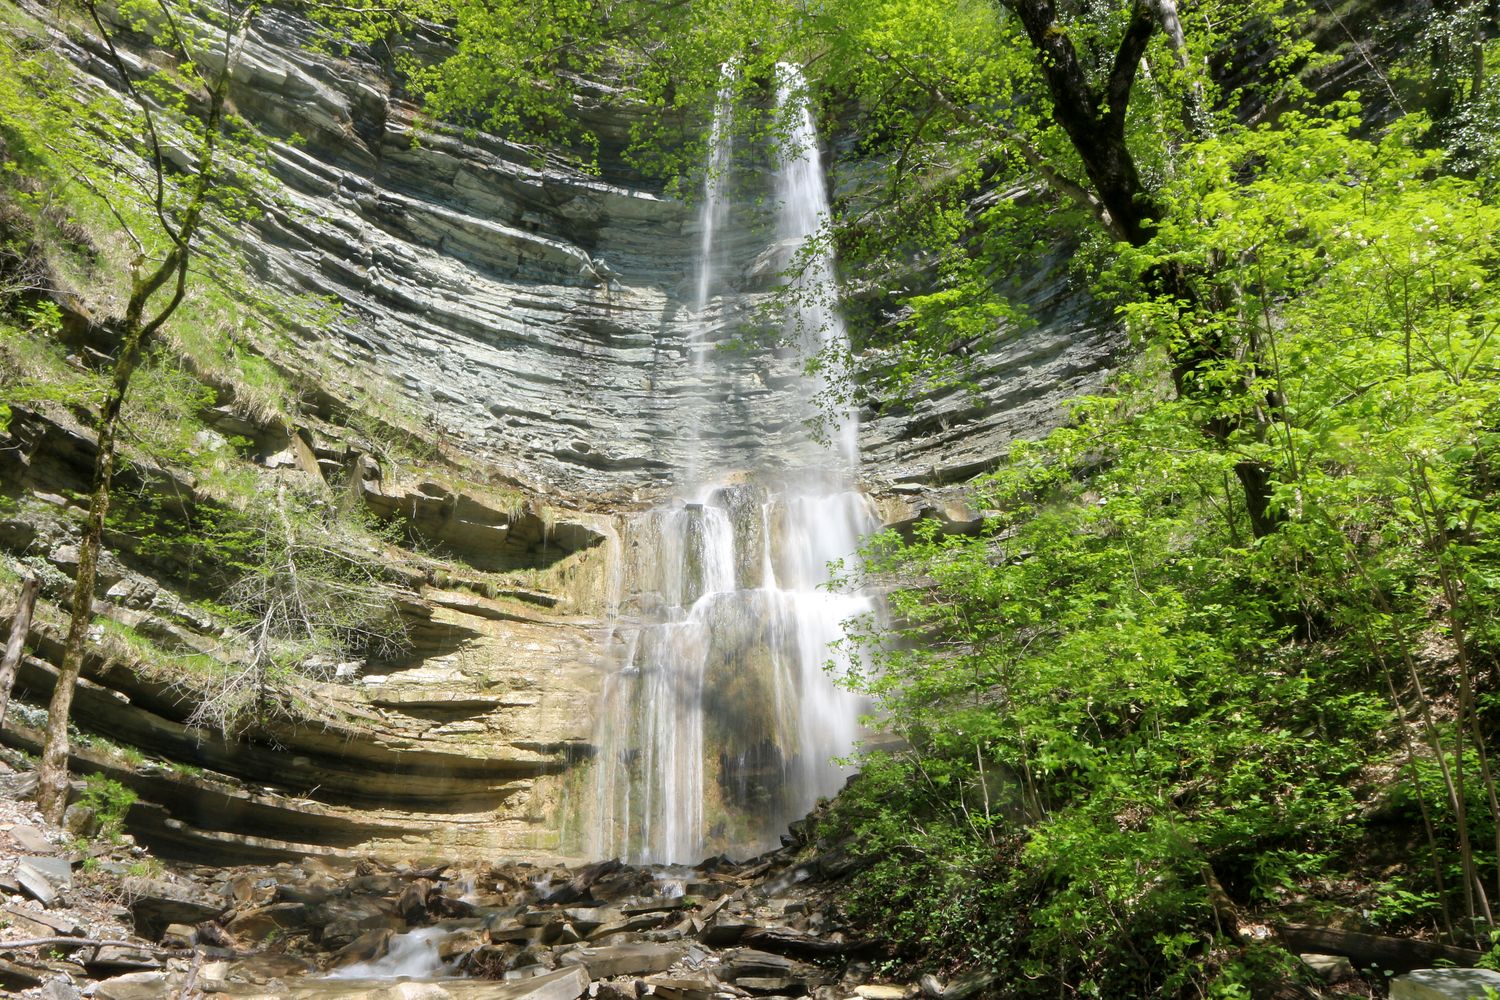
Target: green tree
956 95
178 127
1117 701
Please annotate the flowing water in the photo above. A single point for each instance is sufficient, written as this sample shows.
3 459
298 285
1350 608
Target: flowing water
721 722
412 955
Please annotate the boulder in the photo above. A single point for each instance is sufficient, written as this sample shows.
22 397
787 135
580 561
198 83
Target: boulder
80 820
968 985
461 943
31 840
33 923
136 986
43 877
112 958
17 977
412 906
1444 984
1329 968
586 918
264 968
881 991
683 987
155 905
565 984
640 922
344 920
725 932
368 947
511 929
268 922
179 936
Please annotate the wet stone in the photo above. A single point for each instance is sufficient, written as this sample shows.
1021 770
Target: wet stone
262 922
368 947
1444 984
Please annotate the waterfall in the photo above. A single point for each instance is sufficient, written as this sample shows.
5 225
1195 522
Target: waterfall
719 723
802 224
712 214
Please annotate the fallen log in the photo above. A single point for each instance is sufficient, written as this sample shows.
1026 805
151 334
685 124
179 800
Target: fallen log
1391 954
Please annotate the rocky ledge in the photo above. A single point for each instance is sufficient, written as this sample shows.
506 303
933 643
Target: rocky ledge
320 928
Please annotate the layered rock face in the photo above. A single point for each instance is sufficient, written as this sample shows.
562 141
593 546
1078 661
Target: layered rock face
536 319
540 315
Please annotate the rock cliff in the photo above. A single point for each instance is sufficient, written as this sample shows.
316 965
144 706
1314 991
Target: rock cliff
533 319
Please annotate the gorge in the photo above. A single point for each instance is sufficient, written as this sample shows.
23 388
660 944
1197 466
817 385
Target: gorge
468 315
750 499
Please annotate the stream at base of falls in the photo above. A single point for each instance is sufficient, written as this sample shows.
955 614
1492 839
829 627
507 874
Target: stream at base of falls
324 930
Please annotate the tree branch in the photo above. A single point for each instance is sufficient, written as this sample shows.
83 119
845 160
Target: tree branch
1127 63
1011 140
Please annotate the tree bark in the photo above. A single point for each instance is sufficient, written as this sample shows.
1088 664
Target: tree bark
136 331
20 626
1094 120
52 776
1093 117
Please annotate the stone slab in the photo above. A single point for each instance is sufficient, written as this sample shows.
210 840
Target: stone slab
136 986
625 959
31 840
45 924
37 882
1444 984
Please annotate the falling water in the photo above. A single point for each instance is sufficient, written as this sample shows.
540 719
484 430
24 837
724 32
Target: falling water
720 723
412 955
712 214
802 223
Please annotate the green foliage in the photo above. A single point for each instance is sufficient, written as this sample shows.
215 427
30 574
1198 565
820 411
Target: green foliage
110 801
1116 697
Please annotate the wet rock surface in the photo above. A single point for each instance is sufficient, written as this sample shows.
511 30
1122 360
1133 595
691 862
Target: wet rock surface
316 928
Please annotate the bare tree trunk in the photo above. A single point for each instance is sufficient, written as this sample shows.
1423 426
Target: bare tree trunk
52 776
20 626
135 333
1195 114
1094 118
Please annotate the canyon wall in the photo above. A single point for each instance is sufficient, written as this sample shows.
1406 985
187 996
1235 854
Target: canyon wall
534 319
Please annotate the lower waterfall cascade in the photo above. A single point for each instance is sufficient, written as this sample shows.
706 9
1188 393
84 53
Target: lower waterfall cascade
722 719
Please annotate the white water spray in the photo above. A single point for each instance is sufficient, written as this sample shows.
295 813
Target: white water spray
720 724
413 955
803 225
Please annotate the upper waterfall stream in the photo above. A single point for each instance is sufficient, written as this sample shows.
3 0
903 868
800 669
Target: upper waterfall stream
720 722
